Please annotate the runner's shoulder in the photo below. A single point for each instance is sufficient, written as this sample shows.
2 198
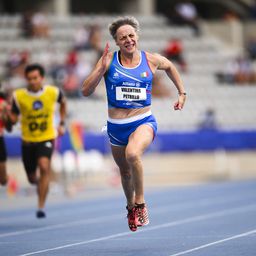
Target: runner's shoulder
153 58
19 91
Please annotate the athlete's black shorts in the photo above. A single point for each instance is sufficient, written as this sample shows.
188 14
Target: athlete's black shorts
3 155
32 151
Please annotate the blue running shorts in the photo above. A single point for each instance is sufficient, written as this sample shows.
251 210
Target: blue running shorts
119 133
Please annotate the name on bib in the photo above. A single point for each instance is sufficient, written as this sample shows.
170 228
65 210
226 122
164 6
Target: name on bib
130 93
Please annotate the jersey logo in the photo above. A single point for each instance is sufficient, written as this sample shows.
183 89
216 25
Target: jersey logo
48 144
144 74
37 105
116 75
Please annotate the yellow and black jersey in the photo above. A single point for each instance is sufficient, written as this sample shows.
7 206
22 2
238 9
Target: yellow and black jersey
36 112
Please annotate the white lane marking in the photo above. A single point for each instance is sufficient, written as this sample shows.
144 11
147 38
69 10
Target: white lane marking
215 242
169 224
54 213
230 198
61 225
203 202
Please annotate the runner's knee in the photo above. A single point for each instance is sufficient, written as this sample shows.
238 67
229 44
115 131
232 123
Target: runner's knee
132 157
44 168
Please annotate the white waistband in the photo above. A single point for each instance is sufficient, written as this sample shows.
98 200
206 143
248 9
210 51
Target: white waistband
129 119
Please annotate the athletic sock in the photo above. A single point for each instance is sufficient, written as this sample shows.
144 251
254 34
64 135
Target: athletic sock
140 205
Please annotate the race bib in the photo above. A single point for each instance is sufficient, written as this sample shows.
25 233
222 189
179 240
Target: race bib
130 93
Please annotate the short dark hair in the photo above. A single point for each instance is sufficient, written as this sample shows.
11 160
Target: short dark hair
121 21
33 67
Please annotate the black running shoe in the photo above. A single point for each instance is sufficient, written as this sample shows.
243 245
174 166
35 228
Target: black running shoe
40 214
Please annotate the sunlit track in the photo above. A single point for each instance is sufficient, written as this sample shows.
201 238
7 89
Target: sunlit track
206 216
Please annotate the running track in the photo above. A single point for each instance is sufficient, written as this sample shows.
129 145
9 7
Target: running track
205 220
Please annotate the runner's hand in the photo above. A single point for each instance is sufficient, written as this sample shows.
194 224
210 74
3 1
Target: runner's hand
180 103
104 58
61 130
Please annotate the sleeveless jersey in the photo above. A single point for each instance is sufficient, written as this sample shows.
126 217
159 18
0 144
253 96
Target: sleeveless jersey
129 87
37 113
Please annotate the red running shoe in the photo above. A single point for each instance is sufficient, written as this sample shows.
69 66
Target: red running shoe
131 219
141 215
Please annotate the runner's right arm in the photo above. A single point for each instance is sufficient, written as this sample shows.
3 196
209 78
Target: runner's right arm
92 81
4 109
13 114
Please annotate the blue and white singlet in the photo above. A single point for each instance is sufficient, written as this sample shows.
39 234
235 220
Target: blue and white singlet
129 87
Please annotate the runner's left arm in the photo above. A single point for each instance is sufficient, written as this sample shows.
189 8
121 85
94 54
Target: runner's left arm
62 112
166 65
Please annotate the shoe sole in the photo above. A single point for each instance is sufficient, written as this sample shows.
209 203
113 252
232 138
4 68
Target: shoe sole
142 225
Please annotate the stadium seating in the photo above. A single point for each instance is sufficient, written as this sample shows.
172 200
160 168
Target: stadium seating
234 106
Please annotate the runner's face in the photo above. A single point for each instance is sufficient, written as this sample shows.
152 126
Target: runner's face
34 80
127 39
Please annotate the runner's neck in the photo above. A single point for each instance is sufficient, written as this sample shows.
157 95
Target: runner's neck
129 60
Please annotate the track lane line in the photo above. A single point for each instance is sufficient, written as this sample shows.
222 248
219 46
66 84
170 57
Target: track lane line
61 225
170 224
53 208
203 202
215 242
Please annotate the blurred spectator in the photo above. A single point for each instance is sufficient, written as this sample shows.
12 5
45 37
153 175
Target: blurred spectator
244 73
174 52
83 69
26 25
40 25
16 63
58 73
88 38
71 85
95 38
230 16
186 14
14 82
238 71
65 69
254 73
251 48
81 38
13 61
71 74
253 10
6 93
208 120
72 59
47 57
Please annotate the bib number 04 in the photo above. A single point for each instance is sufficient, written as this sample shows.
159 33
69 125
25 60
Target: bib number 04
34 126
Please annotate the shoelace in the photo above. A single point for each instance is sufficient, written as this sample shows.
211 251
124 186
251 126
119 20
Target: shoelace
140 213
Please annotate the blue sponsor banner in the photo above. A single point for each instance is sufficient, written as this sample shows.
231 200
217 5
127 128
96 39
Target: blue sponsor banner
201 140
